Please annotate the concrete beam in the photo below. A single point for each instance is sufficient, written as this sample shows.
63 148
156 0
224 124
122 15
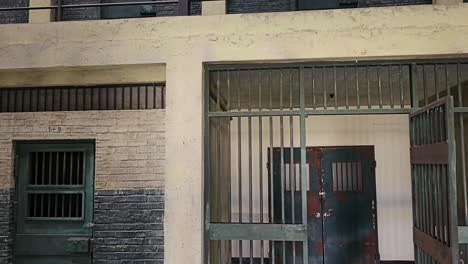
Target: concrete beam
41 15
210 8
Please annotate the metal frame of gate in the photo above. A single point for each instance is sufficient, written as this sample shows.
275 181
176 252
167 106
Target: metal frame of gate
219 107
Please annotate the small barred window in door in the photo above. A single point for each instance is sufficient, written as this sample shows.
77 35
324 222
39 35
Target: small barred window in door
347 176
56 205
56 168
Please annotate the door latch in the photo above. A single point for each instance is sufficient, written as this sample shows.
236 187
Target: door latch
318 215
87 226
322 194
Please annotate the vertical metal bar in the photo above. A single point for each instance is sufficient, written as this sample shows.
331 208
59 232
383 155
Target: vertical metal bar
260 158
43 168
452 169
229 191
250 164
270 167
324 89
446 80
36 175
239 158
218 169
57 167
462 145
207 164
71 168
424 84
218 99
59 10
282 162
390 84
64 167
346 86
380 86
291 164
305 247
436 81
334 87
42 205
49 178
402 96
356 73
414 85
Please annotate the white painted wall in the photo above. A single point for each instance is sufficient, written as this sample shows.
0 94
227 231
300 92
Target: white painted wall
390 136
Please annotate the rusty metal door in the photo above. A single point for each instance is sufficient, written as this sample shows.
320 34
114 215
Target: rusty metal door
434 186
349 212
341 206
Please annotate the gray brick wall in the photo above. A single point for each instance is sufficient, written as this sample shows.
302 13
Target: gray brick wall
376 3
14 17
129 226
85 13
94 13
6 225
257 6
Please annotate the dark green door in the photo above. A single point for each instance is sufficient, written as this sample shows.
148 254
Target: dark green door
349 205
341 207
55 203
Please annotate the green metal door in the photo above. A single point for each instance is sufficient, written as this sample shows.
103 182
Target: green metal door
55 203
349 205
341 204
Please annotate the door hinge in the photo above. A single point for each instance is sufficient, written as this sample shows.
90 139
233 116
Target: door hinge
373 164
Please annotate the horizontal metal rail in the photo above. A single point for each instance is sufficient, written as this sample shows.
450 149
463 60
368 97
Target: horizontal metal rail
285 232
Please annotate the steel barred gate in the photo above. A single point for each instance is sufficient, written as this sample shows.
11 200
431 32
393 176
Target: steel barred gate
434 183
252 110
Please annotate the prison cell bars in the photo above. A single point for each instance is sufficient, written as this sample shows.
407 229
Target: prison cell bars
411 71
82 98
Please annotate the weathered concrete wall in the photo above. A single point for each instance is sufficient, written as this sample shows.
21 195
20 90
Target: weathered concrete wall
185 43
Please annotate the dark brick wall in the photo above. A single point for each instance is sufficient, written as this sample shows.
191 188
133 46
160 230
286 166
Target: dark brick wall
94 13
6 225
375 3
14 17
85 13
258 6
129 226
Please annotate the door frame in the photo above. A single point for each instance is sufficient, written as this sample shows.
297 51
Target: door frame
88 145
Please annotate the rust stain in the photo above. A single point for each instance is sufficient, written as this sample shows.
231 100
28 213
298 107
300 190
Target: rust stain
313 203
340 196
319 247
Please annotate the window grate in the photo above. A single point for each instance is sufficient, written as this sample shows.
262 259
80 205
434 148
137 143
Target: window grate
56 168
46 99
347 176
55 205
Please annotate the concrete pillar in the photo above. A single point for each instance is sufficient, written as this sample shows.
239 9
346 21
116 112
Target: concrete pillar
210 8
446 2
183 217
41 15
